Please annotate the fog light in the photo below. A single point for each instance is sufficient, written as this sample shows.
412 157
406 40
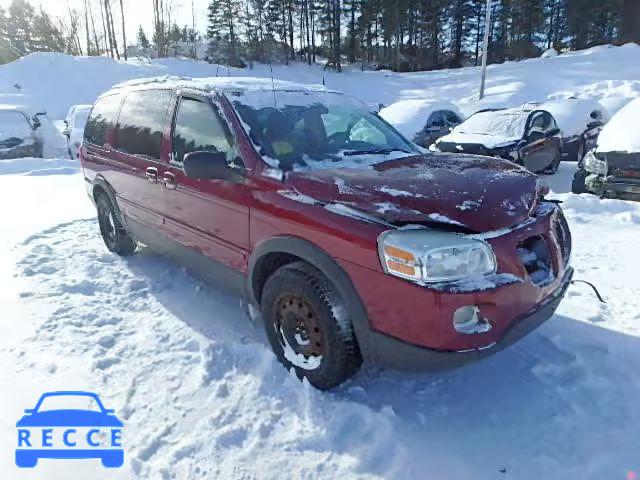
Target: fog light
468 321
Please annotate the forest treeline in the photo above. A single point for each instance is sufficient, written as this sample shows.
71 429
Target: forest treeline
403 35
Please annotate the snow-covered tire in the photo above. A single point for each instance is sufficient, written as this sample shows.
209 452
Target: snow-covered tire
113 233
299 294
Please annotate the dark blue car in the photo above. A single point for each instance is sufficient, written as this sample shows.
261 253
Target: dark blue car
32 448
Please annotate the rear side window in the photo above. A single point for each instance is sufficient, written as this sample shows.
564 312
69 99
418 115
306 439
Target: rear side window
198 128
141 122
452 118
101 126
436 120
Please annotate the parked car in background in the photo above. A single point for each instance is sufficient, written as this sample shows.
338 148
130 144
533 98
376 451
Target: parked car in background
75 122
422 121
612 169
579 121
19 136
345 240
527 136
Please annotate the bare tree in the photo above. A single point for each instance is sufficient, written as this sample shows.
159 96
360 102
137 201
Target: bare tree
99 50
107 36
113 41
73 25
124 34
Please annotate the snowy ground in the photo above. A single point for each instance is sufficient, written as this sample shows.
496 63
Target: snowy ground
200 393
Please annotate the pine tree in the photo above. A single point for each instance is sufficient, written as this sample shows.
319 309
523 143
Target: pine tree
222 32
142 40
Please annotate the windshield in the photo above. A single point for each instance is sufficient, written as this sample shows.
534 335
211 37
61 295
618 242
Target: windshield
13 125
80 118
497 123
316 129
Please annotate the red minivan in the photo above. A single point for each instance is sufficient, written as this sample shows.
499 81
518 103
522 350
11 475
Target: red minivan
346 240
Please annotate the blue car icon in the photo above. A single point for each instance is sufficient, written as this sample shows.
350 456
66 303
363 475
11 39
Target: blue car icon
33 446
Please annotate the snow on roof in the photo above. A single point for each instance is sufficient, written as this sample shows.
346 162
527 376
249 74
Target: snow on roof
621 134
410 116
224 84
574 114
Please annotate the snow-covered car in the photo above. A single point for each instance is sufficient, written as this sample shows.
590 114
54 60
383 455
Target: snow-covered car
422 121
19 136
524 135
74 122
612 169
579 120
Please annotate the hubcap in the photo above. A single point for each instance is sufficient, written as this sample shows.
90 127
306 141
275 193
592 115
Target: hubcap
297 325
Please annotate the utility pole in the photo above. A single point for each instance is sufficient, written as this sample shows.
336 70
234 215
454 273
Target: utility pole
485 47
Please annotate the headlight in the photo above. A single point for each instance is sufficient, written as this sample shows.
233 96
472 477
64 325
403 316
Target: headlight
594 164
426 256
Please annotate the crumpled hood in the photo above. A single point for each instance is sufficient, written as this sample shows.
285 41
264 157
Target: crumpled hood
479 193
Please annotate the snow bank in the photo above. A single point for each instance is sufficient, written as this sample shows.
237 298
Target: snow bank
573 115
57 81
621 134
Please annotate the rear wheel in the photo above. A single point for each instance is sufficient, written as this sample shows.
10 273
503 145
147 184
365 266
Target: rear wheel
307 326
555 163
113 233
578 185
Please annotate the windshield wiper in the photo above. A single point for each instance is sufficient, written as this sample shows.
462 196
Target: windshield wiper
375 151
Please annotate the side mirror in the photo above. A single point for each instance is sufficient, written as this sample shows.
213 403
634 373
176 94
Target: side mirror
553 133
594 124
434 128
206 165
109 411
28 410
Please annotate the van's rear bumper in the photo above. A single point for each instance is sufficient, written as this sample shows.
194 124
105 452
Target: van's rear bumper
400 355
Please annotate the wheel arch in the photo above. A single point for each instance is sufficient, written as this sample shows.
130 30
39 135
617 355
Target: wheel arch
275 252
101 186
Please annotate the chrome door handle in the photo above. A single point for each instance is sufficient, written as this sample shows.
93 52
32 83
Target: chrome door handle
169 180
152 174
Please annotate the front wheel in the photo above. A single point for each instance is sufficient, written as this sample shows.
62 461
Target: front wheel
308 327
578 184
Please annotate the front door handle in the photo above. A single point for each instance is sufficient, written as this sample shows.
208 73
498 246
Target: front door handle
152 174
169 180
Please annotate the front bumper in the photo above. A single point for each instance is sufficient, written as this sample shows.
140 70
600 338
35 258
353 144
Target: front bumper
410 319
394 353
613 187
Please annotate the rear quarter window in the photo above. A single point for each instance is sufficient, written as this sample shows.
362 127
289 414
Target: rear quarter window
100 128
141 122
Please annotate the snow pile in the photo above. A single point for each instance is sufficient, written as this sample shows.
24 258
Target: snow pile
621 134
552 52
573 115
611 75
410 116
